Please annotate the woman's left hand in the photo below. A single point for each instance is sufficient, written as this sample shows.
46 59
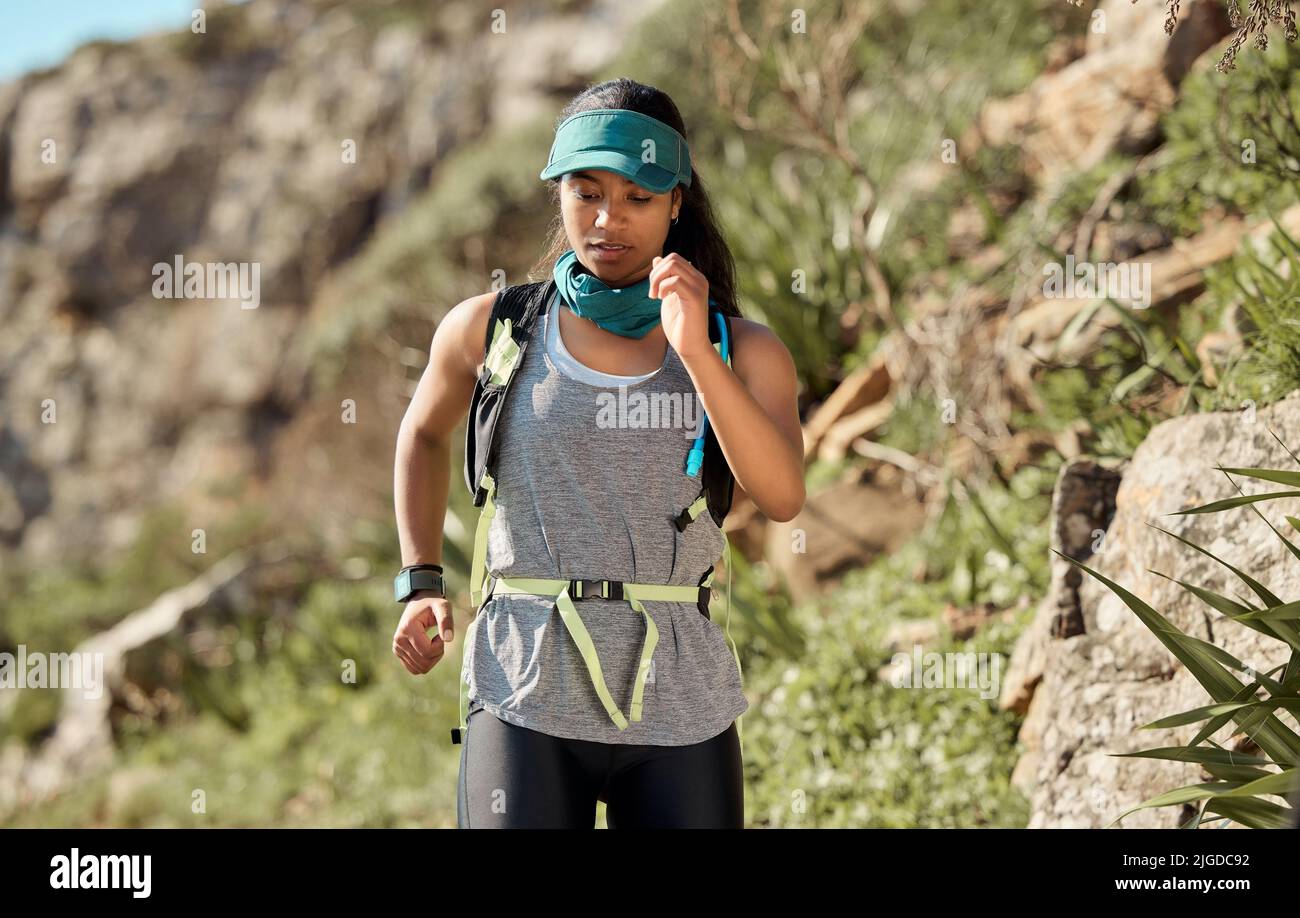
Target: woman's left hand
684 311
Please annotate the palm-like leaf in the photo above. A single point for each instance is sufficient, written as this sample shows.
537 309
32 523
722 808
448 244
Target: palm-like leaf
1242 781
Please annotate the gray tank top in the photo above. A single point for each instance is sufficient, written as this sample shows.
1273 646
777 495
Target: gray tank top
590 470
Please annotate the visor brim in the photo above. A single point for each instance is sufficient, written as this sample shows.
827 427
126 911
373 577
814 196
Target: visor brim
649 176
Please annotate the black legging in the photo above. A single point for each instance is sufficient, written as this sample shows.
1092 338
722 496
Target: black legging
512 777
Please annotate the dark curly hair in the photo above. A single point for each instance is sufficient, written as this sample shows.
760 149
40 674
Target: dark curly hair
695 234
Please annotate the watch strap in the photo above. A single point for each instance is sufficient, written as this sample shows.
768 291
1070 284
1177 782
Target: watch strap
410 581
423 566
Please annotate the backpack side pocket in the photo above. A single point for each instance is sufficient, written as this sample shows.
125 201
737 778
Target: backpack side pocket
502 354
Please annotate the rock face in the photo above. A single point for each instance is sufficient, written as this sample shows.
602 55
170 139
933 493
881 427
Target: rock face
1105 676
1111 97
1083 504
231 146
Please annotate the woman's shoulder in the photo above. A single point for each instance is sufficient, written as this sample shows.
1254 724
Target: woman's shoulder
473 314
757 347
746 329
468 320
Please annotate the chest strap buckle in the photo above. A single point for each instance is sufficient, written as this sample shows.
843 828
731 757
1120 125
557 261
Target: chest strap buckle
593 589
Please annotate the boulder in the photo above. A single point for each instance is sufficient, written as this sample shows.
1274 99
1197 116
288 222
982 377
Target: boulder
1103 674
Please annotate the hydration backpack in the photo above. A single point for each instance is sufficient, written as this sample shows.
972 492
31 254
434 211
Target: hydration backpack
510 331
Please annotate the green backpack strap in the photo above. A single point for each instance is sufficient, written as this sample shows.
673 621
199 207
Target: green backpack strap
478 572
516 308
740 734
688 515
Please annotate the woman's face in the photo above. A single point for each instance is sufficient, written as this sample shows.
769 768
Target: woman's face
603 206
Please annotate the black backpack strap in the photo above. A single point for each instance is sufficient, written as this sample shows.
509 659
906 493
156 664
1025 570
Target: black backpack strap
719 484
706 580
520 305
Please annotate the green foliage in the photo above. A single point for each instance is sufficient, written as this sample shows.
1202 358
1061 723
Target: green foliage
1086 391
822 473
371 752
835 746
999 59
832 744
915 426
991 174
1266 285
761 625
48 611
788 210
381 14
1242 782
1145 369
1030 231
1208 136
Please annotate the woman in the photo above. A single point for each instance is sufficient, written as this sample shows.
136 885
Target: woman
586 488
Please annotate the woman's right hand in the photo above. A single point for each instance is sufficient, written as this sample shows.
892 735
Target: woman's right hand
418 652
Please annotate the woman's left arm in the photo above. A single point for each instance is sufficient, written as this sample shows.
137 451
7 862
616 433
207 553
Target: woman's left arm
755 414
754 411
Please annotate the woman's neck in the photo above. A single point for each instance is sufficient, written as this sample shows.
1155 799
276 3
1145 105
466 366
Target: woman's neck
607 352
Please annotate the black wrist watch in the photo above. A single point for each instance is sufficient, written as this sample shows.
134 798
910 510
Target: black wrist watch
415 577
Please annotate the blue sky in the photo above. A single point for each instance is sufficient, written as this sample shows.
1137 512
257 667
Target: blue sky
40 33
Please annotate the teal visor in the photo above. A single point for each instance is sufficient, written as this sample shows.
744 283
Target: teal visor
634 145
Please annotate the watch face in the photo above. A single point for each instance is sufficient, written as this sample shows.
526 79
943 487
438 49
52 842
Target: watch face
409 582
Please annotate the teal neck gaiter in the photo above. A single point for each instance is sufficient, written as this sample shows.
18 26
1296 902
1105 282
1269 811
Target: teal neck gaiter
627 311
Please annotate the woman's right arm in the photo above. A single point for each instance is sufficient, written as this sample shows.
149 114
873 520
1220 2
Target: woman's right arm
422 470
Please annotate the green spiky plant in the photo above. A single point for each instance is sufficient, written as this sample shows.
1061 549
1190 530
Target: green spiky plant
1266 284
1241 781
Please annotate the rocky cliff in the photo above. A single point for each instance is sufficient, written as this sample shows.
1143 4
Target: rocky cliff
283 136
1088 672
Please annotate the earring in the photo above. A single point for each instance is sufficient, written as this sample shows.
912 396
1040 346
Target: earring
674 221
